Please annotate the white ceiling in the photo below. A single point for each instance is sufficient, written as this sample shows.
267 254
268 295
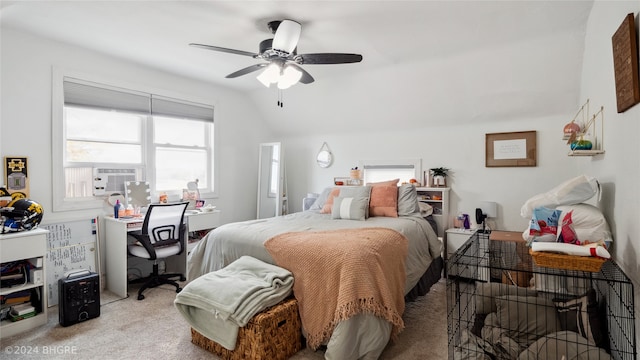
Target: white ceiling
458 61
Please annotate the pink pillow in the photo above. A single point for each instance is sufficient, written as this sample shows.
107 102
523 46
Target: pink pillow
393 182
326 208
384 201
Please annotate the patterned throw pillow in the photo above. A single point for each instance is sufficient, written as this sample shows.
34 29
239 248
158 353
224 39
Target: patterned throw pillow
581 315
349 208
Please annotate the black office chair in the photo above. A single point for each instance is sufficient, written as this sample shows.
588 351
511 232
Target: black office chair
162 235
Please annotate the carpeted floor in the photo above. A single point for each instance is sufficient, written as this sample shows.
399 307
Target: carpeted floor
153 329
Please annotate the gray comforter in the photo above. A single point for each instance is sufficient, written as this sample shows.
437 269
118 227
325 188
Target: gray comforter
361 337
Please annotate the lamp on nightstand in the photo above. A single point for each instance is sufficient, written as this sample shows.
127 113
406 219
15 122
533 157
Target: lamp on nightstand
487 209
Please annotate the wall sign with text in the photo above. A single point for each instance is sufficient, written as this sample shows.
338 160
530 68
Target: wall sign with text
510 149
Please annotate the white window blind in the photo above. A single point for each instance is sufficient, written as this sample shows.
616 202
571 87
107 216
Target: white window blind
383 170
168 141
180 109
81 93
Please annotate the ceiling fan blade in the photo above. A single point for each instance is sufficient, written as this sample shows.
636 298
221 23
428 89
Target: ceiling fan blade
286 36
246 70
221 49
306 77
327 58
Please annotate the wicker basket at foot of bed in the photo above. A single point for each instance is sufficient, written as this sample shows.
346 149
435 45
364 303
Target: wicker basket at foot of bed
272 334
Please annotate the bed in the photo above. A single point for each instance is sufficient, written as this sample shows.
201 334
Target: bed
360 336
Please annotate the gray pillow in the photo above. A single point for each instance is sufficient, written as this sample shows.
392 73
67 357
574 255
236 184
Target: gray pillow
321 199
349 208
526 318
357 192
407 200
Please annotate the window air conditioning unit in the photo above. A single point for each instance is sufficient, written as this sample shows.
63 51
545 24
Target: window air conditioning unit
107 181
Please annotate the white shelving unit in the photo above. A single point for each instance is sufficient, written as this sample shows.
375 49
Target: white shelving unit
26 245
438 198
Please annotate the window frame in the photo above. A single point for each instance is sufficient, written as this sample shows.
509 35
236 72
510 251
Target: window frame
60 202
415 163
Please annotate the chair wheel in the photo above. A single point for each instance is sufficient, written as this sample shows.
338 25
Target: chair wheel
178 290
182 278
140 297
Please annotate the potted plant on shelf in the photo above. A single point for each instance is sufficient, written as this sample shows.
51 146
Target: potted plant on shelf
439 176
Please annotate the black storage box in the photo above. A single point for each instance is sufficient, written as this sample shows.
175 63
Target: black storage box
78 297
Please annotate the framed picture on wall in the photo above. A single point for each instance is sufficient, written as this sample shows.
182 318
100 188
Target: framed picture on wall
510 149
625 64
17 179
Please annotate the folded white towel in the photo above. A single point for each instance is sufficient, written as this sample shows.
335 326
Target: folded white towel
571 249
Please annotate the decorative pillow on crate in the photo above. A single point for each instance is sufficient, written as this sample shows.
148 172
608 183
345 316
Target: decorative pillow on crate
581 315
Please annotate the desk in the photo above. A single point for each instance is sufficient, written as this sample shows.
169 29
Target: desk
116 247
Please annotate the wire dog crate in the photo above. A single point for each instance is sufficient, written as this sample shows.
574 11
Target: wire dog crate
501 305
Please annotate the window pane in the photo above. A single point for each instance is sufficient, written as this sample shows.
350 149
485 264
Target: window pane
87 151
178 131
176 167
377 175
79 182
101 125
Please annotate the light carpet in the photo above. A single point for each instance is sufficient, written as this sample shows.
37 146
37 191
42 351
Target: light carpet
153 329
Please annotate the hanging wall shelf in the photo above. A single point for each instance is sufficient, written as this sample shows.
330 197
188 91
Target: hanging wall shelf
575 133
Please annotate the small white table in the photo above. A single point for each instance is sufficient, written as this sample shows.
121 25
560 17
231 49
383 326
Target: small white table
116 246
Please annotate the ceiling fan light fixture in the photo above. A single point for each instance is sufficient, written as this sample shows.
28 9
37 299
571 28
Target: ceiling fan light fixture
289 77
287 36
270 75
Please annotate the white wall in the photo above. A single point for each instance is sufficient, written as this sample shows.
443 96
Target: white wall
619 169
460 148
25 127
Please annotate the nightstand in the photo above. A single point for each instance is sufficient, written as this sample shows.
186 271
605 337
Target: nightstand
454 238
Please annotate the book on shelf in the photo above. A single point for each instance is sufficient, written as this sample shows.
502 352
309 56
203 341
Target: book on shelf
15 318
22 309
17 297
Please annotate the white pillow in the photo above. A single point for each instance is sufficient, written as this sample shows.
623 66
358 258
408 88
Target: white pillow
573 191
425 209
588 222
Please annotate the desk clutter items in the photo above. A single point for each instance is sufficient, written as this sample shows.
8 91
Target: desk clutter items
564 232
78 297
250 286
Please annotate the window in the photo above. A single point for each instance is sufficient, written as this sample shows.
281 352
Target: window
127 135
382 170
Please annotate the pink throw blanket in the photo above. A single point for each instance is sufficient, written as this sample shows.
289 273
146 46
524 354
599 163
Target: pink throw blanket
342 273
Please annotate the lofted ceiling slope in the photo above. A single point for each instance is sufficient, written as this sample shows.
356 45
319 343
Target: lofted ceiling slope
426 63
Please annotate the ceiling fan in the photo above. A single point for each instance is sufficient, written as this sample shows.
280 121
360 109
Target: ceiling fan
282 65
